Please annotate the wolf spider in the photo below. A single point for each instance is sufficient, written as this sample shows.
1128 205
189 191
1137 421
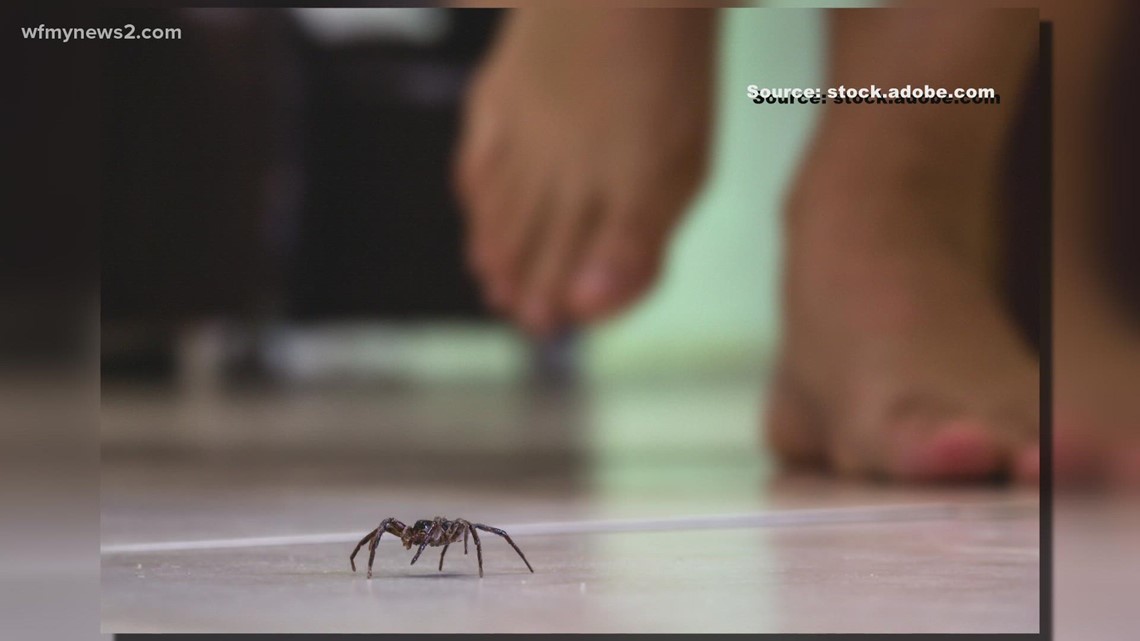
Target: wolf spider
435 532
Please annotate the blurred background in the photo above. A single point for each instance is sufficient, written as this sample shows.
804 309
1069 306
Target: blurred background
282 270
281 284
291 343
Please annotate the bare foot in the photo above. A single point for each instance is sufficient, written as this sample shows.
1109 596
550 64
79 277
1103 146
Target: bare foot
899 359
1096 342
585 137
1096 371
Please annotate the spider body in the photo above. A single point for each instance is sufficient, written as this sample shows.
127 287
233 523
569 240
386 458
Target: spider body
430 533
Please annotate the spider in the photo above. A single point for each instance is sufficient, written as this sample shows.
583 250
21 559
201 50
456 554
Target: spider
435 532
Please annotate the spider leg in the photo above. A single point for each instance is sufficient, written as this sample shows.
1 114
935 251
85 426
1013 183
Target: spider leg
478 547
451 534
427 540
387 525
495 530
441 556
419 551
465 531
352 557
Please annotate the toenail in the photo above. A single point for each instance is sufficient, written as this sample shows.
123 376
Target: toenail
952 452
592 286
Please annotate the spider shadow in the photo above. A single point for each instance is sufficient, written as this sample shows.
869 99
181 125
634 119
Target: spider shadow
439 575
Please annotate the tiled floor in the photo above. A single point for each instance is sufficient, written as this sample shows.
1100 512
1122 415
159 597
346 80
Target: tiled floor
615 547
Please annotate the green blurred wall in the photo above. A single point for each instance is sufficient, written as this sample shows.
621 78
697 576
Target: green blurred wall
715 309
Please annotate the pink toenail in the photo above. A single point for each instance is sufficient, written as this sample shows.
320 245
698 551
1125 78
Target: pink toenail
955 451
592 287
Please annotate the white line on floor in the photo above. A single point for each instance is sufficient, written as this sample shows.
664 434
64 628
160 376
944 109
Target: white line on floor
783 518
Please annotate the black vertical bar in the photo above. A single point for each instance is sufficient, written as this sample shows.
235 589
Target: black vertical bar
1046 350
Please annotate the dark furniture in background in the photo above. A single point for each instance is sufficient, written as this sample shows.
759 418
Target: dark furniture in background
252 173
250 167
